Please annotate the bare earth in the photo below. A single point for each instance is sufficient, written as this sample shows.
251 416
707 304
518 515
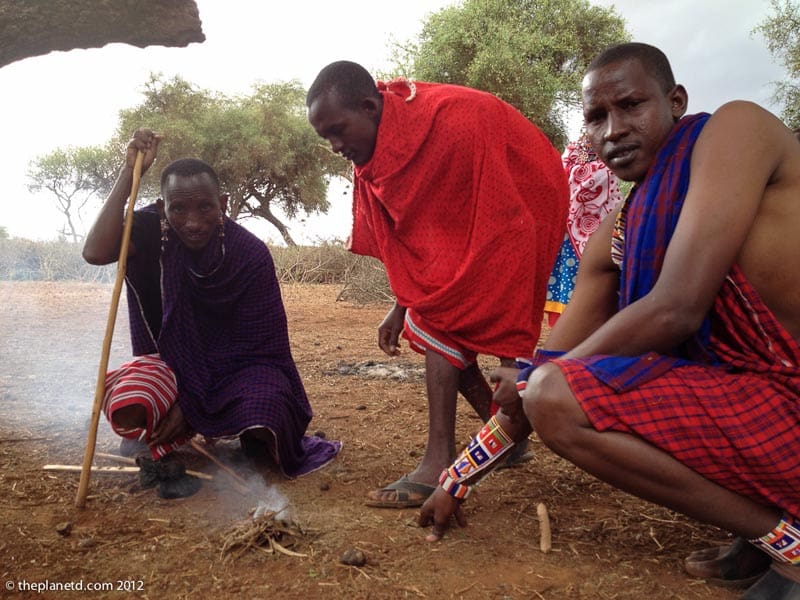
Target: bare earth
605 544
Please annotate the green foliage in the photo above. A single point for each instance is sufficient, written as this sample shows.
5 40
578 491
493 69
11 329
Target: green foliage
261 146
72 176
3 233
781 30
264 152
530 53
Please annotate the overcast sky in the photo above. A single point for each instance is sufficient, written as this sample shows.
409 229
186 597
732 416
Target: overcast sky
73 98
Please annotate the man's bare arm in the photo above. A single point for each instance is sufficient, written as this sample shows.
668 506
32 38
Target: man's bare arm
104 239
732 163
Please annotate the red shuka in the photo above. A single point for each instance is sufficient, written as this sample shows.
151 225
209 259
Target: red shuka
464 201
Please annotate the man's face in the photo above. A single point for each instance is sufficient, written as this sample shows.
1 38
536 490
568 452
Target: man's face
351 132
193 207
628 116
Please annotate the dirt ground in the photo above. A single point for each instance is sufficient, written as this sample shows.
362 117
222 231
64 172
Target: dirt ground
605 544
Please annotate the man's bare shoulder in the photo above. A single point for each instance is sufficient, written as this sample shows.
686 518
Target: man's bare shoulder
770 155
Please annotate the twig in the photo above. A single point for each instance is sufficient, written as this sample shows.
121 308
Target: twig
545 537
469 587
129 461
96 469
116 457
241 484
29 439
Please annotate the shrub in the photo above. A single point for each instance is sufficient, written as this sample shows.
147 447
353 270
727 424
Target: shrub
26 260
363 278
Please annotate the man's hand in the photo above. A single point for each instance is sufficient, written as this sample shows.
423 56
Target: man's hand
147 141
505 393
172 426
390 328
437 510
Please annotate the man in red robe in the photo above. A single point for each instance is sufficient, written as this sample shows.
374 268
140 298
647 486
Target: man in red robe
464 201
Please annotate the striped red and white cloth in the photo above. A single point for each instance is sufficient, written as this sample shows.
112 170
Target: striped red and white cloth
149 382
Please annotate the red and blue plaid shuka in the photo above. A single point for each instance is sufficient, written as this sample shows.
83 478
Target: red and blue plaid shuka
726 404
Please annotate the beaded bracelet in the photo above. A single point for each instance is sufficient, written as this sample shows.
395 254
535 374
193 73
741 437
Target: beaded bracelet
783 542
486 448
527 367
452 487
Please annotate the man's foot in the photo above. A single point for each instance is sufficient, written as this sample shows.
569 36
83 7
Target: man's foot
169 475
403 493
737 565
256 448
781 582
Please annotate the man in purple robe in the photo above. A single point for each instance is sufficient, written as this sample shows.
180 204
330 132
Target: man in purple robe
208 326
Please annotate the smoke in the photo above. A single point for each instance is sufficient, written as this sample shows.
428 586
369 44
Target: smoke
51 341
50 351
271 499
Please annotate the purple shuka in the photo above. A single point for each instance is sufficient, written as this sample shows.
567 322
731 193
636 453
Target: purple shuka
217 319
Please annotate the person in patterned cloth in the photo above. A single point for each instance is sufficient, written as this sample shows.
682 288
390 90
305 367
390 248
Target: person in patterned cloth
208 326
464 201
674 373
593 194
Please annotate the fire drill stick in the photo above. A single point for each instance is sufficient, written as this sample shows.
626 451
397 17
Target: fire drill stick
241 484
88 457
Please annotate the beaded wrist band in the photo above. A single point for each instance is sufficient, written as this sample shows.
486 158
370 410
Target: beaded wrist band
783 542
486 448
452 487
527 367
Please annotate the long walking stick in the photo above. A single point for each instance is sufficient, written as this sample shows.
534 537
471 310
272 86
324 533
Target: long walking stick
88 457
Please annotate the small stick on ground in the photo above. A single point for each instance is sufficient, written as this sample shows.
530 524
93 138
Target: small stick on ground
241 484
130 461
545 537
116 457
107 470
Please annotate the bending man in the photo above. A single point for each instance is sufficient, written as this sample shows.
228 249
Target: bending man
464 201
208 326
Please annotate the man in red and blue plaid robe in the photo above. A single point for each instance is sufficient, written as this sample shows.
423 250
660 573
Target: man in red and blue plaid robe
674 373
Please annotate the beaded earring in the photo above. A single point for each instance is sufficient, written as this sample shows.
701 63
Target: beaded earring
585 151
164 232
221 225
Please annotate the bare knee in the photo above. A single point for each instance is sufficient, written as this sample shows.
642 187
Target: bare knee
552 409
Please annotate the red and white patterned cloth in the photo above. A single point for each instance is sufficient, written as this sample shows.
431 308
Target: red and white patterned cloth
145 381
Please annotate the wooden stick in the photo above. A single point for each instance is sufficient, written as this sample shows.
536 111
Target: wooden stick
88 457
242 486
96 469
545 537
116 457
129 461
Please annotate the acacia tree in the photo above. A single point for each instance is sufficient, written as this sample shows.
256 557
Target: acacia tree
530 53
781 30
72 176
261 146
